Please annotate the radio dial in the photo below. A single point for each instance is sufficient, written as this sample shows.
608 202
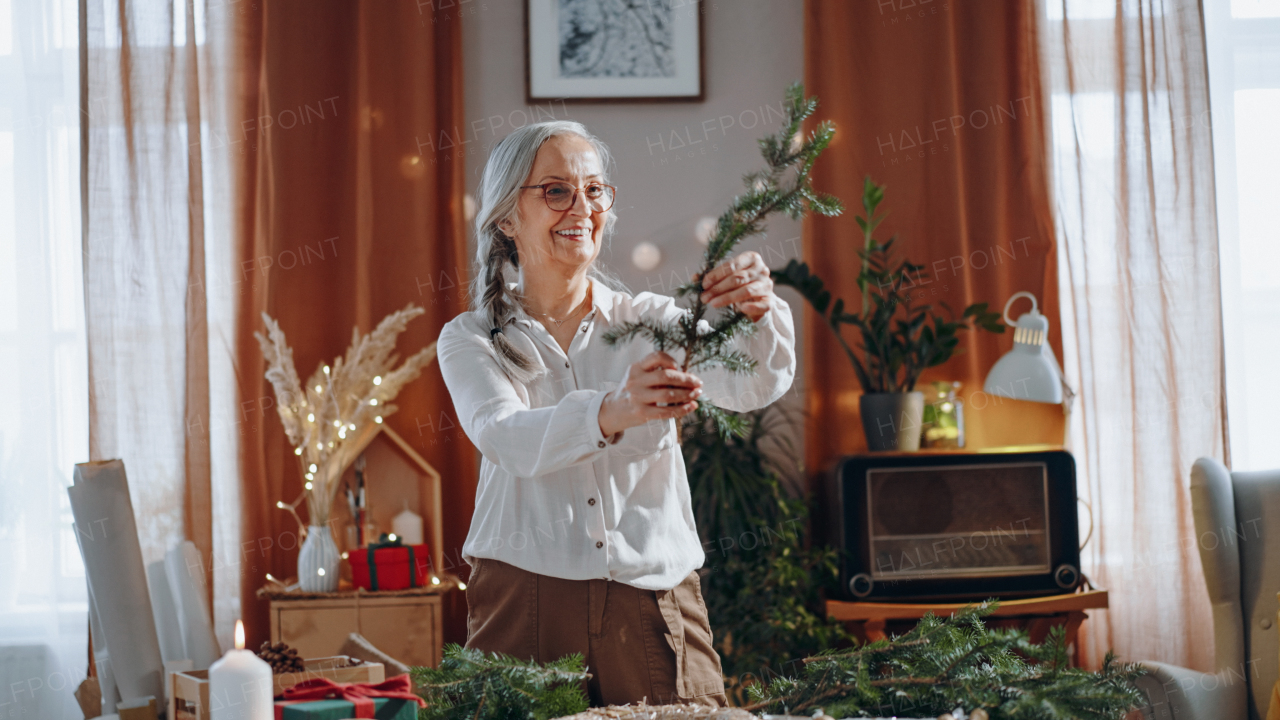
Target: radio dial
861 585
1067 577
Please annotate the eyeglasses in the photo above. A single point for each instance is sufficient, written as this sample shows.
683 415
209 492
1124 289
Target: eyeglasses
561 196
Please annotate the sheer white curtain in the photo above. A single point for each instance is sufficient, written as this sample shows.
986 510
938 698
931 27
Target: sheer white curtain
1244 72
43 390
158 276
159 268
1141 299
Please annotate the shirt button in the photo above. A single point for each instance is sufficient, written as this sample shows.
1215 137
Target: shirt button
600 444
566 364
599 543
591 501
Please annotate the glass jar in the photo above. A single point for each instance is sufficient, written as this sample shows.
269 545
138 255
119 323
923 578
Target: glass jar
943 425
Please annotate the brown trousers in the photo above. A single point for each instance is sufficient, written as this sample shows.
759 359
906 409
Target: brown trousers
638 644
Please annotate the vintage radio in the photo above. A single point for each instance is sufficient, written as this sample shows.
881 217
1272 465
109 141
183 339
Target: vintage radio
956 526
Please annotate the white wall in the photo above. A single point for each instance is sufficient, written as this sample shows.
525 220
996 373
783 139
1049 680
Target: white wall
753 50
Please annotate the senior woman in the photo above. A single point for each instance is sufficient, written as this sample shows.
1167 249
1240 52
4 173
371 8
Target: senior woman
583 537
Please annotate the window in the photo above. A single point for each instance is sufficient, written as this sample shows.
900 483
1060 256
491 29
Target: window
43 431
1244 82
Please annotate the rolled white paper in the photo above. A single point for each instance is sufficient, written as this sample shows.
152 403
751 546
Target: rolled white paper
187 578
108 537
101 658
167 628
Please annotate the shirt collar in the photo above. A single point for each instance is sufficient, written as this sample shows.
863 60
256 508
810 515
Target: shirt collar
602 298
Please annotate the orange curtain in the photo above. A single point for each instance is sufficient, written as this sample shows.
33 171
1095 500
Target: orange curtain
339 222
941 102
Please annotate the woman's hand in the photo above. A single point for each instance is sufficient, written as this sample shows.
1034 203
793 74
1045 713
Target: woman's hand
655 379
742 281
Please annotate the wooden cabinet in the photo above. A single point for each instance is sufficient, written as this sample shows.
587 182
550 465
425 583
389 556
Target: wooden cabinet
404 624
871 621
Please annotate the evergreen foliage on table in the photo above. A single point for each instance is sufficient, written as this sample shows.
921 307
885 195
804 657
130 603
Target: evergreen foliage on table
784 186
943 664
763 587
473 685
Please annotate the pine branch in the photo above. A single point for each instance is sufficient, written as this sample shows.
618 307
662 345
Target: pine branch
945 663
661 335
783 186
474 685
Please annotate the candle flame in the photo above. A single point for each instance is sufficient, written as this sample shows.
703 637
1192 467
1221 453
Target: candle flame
239 635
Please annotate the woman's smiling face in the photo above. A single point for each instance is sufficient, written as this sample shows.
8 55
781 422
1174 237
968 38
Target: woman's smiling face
563 240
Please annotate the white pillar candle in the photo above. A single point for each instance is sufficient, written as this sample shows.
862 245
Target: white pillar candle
408 526
240 684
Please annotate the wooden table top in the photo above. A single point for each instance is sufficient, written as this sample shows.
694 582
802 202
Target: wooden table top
346 590
1053 604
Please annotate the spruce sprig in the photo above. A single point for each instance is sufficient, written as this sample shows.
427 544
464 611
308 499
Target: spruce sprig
945 663
473 685
784 186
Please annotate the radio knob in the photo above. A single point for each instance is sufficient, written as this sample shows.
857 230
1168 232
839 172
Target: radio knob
861 585
1067 577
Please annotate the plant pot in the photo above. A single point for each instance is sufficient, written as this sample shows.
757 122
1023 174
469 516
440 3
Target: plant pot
318 561
891 421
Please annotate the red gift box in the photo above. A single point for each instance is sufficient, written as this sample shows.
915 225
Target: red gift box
323 698
387 567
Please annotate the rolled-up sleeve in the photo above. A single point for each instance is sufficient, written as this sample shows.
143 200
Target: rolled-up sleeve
773 347
523 441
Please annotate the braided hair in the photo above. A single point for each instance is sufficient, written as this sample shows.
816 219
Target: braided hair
508 165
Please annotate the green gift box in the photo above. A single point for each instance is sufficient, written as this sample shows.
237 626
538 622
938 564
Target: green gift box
384 709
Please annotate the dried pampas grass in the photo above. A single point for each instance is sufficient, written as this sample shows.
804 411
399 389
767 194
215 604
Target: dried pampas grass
330 417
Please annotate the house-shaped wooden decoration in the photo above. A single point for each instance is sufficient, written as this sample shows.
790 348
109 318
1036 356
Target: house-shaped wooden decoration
395 477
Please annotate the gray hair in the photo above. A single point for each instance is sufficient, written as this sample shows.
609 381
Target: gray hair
498 199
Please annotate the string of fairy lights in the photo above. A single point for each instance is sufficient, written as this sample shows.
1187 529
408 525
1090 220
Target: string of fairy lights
310 462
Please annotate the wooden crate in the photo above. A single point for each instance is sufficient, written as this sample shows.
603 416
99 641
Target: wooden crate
189 691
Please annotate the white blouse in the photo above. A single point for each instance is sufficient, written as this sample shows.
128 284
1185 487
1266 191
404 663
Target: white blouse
555 496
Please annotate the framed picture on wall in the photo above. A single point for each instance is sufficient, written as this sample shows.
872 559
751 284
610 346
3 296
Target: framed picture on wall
613 50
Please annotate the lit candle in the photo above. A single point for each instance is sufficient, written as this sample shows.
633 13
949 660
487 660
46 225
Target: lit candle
240 684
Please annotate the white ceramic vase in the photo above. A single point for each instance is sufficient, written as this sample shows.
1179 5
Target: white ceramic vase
318 561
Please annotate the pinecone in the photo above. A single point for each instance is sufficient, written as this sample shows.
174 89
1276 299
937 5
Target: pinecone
281 658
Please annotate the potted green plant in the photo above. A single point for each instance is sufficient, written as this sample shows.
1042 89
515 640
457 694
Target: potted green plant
764 579
898 336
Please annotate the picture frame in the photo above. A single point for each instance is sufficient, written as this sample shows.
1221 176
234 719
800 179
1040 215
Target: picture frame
614 51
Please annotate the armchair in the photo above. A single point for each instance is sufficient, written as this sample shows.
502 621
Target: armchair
1237 518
